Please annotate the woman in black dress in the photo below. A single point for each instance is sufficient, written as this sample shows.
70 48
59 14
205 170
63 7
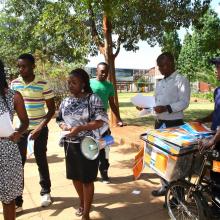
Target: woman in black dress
82 114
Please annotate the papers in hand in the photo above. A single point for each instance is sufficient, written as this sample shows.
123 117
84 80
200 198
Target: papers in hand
64 133
6 128
30 147
143 101
146 112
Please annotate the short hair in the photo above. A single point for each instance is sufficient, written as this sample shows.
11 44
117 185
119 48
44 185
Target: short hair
27 56
83 76
104 64
167 55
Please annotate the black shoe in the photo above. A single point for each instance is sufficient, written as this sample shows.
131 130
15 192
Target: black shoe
159 192
105 178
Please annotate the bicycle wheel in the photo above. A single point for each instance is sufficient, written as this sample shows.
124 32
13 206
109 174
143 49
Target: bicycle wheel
182 203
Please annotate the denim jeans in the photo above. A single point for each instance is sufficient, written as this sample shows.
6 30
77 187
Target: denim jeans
40 153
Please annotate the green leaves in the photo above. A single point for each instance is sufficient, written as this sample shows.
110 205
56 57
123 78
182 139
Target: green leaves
200 47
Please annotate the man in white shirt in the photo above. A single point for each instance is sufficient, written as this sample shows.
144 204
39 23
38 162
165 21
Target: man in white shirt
172 96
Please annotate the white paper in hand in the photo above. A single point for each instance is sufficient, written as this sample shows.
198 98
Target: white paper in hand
30 147
6 128
64 133
149 111
143 101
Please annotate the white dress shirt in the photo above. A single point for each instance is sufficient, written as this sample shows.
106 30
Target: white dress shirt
173 90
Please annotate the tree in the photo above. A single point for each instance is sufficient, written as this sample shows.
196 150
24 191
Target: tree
171 42
117 23
44 28
199 47
133 20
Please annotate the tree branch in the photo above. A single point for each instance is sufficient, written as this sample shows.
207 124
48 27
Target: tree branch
118 47
95 35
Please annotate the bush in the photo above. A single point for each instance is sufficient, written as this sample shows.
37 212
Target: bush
207 96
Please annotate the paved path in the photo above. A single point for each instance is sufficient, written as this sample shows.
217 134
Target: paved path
123 199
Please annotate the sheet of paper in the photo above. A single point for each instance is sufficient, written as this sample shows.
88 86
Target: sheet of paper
6 128
64 133
143 101
149 111
30 147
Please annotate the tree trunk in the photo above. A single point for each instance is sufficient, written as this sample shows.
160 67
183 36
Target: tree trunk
110 59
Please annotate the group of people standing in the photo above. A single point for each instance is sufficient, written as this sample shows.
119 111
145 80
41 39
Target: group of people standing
82 113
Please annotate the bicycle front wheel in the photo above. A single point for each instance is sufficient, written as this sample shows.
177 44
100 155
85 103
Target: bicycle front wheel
183 203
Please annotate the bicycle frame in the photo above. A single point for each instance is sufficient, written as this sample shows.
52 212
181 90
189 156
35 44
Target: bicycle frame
204 185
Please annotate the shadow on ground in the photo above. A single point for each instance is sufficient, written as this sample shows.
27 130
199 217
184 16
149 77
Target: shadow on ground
54 158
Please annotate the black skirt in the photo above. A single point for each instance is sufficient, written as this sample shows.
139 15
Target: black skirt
78 167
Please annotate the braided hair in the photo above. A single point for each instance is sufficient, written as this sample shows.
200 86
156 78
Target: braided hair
83 76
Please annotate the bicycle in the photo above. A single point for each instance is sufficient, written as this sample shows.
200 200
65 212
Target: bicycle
191 198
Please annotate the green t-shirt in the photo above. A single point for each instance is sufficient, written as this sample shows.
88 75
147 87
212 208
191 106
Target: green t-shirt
104 89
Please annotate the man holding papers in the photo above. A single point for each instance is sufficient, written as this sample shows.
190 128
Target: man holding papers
172 96
36 93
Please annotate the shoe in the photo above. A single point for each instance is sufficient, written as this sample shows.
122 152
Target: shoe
159 192
79 212
106 181
18 209
105 178
46 200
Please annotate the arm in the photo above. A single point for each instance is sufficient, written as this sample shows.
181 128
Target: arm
114 109
183 102
51 110
22 115
60 121
184 97
209 143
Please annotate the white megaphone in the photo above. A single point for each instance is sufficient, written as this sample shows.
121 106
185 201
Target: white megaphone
90 147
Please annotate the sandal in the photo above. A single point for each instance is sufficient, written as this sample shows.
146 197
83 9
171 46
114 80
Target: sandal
79 212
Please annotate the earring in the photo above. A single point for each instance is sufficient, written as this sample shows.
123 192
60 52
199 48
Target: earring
82 90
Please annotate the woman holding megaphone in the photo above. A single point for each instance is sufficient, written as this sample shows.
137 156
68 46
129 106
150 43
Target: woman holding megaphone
81 114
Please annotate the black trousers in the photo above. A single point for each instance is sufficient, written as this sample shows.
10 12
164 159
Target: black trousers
40 149
168 124
103 162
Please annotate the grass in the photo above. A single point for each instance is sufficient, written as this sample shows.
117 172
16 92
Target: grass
198 108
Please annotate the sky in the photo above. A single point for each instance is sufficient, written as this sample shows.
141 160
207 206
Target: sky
146 56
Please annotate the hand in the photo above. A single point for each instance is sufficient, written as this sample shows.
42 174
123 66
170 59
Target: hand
15 137
139 108
35 133
65 127
121 124
204 144
73 132
160 109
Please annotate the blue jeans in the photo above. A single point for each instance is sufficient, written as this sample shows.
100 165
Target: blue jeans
40 153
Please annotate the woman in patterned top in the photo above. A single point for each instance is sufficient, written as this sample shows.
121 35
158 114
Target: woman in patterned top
83 115
11 171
